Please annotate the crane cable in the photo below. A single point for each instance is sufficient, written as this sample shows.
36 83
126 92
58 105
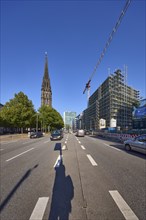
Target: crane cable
108 42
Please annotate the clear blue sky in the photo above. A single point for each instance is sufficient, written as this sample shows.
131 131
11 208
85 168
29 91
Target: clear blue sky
74 34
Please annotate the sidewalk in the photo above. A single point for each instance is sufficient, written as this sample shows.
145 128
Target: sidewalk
10 137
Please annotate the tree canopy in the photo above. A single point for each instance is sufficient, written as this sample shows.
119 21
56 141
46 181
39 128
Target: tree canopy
50 117
18 112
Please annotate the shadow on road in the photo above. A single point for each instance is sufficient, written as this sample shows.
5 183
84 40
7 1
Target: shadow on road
9 196
63 193
58 147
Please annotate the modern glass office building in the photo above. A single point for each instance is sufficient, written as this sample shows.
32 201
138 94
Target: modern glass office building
68 117
139 116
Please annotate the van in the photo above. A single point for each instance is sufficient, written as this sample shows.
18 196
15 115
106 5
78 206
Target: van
80 133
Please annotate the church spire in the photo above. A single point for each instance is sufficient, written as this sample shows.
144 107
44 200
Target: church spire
46 72
46 92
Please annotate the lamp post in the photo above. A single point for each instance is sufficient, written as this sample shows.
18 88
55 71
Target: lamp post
37 122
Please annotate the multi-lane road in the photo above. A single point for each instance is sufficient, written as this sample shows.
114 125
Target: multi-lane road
84 178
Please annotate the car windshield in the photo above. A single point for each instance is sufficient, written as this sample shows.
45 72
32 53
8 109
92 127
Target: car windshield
56 132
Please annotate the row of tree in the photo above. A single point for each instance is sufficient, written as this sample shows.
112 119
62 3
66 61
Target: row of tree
19 113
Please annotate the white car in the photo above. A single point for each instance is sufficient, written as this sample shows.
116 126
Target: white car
137 144
80 133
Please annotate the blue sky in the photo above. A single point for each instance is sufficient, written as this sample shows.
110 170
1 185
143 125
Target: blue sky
74 34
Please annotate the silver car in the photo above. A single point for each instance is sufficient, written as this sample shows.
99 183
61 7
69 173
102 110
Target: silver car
137 144
80 133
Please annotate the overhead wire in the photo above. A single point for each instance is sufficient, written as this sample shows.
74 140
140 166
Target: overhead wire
108 42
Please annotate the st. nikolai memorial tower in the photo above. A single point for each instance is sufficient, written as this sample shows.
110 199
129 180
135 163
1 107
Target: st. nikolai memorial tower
46 92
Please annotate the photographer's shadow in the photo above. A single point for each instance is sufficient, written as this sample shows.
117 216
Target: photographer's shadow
63 193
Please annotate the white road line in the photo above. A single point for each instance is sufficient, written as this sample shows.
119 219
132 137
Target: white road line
27 142
65 142
123 206
111 147
1 149
83 147
64 147
39 209
79 142
9 142
19 154
58 161
46 141
91 160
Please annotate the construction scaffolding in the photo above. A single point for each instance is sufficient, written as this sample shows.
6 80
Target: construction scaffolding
115 102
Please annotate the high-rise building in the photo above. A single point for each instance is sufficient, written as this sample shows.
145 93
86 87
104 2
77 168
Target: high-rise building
113 101
46 92
68 118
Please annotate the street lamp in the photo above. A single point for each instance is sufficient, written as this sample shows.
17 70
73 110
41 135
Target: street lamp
37 121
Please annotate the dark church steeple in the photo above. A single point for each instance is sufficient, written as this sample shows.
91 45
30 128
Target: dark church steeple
46 92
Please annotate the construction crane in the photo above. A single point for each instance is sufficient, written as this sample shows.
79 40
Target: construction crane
87 87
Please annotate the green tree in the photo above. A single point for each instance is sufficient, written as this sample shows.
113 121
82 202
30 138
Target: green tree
49 117
18 112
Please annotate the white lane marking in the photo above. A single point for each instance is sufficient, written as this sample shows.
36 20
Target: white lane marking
111 146
9 142
58 161
83 147
79 142
27 142
64 147
39 209
18 155
65 142
1 149
91 160
123 206
46 141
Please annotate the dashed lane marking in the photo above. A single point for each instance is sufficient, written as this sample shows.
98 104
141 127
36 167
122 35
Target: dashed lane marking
83 147
123 206
18 155
39 209
64 147
58 161
91 160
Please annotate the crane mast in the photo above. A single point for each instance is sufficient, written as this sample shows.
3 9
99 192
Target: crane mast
87 87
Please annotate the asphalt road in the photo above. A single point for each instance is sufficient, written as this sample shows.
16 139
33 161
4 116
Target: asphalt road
82 178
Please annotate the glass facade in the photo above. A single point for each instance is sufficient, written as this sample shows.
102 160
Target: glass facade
68 118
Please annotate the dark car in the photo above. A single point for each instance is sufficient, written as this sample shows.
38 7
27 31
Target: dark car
56 135
36 134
